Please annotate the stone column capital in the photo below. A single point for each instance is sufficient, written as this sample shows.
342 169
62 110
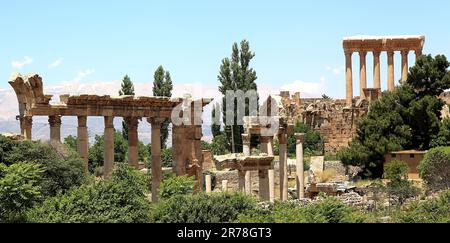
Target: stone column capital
376 53
246 138
404 53
109 121
390 52
348 53
156 121
362 53
300 137
82 121
27 121
54 121
132 122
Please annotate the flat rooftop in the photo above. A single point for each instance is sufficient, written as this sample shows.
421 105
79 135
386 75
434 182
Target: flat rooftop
384 37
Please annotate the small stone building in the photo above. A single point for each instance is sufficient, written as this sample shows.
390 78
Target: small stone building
410 157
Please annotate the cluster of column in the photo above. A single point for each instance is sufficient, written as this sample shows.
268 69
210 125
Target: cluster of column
108 163
266 177
376 71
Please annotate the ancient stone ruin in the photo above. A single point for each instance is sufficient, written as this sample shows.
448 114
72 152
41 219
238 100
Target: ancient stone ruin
186 137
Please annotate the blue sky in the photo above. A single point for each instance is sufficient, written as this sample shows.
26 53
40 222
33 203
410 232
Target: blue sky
89 41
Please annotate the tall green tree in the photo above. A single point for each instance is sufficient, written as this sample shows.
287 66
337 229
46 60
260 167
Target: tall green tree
127 89
407 118
162 86
236 74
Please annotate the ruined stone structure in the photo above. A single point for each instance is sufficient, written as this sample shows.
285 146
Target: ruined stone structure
376 45
246 163
336 120
186 138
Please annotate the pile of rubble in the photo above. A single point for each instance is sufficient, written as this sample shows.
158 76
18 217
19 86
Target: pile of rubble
352 199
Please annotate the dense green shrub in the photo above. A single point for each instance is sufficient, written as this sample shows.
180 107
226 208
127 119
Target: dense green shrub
398 187
122 198
202 208
396 170
63 168
436 210
328 210
176 185
96 151
19 189
435 169
71 142
220 145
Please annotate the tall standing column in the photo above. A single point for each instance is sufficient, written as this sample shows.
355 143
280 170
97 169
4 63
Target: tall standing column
404 65
376 70
156 157
362 74
133 141
264 191
248 183
246 144
418 53
349 78
270 146
264 144
271 185
26 124
300 171
55 128
241 180
391 80
283 166
208 185
108 153
82 140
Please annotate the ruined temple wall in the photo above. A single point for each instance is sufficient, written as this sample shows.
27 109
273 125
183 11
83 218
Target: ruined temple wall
336 124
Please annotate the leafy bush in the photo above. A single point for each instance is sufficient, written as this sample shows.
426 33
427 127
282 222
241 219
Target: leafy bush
435 169
328 210
166 157
436 210
63 168
220 145
399 187
71 142
396 170
19 189
120 199
96 151
202 208
176 185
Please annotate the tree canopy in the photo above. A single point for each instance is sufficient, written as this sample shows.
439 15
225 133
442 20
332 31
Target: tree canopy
236 74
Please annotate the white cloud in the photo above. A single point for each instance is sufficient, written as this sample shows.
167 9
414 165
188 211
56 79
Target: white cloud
335 70
306 89
56 63
19 64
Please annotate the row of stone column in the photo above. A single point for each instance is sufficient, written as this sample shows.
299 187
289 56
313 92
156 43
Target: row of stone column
376 71
267 177
108 163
